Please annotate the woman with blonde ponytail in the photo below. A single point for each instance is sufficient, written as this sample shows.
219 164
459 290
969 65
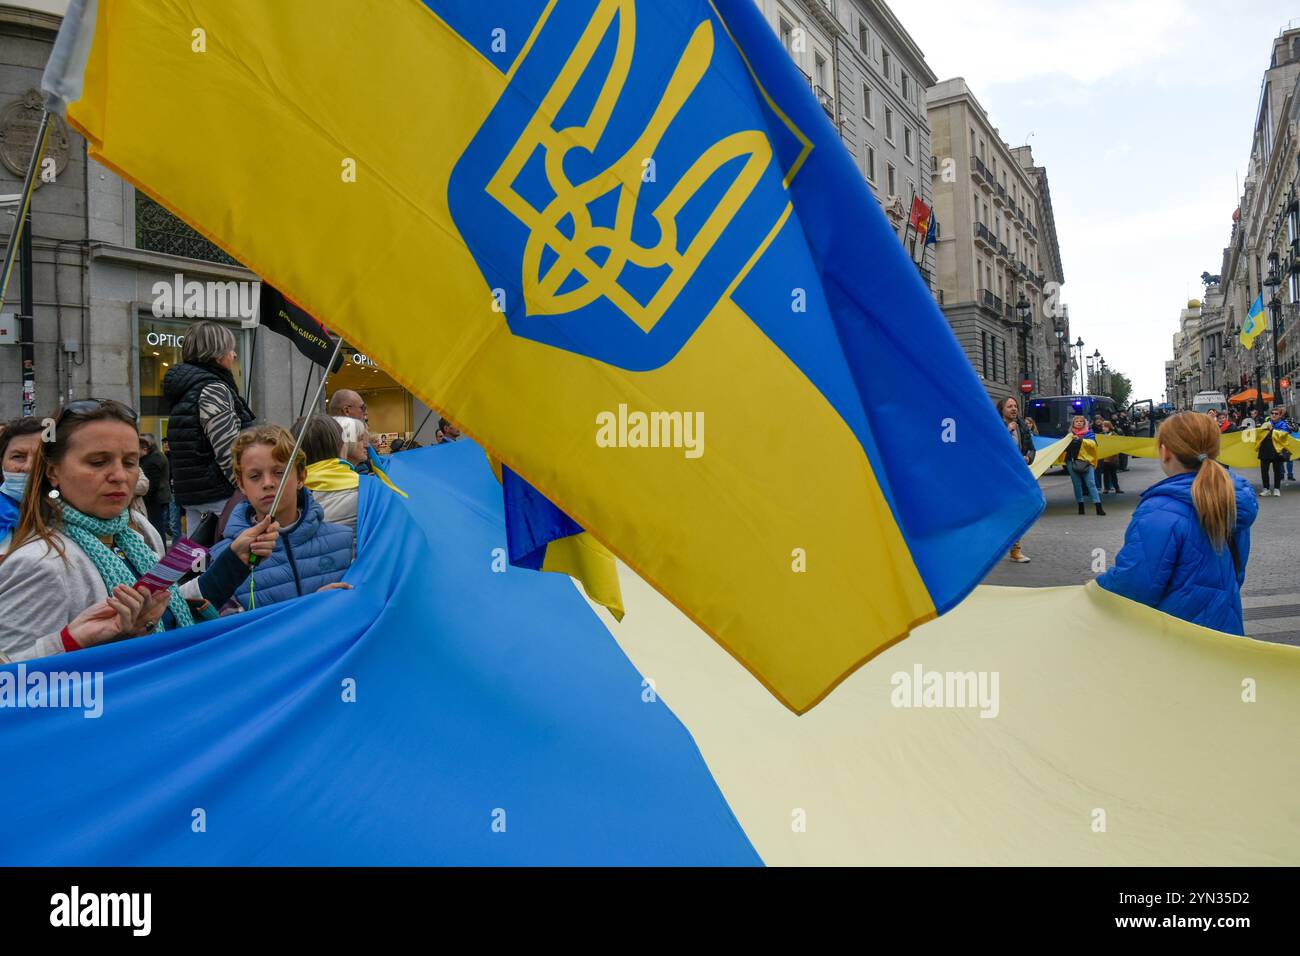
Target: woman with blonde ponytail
1186 546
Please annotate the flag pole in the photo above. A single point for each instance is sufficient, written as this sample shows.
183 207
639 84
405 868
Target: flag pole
297 442
908 228
24 204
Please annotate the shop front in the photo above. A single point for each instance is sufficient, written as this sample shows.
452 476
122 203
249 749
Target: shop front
158 344
388 405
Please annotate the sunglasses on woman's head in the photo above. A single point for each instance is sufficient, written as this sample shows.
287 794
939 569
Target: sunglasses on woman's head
88 406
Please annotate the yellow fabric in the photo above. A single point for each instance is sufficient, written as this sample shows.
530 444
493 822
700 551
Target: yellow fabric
590 563
331 475
279 121
1045 458
1103 705
1236 449
1087 450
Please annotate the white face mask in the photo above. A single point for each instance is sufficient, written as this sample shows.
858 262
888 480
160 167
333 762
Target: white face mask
15 484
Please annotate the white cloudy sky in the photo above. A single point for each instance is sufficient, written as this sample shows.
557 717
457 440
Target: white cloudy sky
1142 112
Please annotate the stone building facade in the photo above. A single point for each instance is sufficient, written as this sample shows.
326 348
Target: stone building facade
995 248
870 78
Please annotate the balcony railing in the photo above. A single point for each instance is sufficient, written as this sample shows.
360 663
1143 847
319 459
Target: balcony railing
1003 251
982 234
157 230
826 100
989 301
1032 231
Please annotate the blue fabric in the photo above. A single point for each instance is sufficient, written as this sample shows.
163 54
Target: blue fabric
1168 563
476 692
532 521
8 515
319 553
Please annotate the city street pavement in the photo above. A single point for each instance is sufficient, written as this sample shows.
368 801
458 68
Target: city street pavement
1062 547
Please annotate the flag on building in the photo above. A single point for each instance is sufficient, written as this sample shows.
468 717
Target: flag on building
1255 323
932 233
920 218
538 217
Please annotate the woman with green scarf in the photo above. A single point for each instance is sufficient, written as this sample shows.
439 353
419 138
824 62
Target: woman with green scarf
68 579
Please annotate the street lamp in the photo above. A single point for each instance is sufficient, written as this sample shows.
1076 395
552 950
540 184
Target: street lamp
1271 282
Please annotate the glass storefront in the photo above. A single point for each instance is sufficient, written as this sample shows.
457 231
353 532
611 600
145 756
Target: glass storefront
159 342
387 403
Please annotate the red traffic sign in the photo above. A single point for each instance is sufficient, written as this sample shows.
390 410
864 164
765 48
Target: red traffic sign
1026 386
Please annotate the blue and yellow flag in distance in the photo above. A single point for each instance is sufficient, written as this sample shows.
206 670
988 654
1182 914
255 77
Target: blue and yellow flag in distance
619 244
1256 322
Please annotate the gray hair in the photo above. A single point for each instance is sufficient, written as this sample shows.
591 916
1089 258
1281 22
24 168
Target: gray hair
353 429
206 342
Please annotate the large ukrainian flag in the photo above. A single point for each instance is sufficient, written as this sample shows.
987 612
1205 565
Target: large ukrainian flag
535 213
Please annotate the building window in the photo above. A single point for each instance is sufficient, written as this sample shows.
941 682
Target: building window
819 70
907 86
907 141
890 179
889 124
981 150
867 111
972 142
787 36
885 65
871 164
984 353
864 37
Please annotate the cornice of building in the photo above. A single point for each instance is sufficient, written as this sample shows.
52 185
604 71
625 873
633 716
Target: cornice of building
166 262
32 20
903 39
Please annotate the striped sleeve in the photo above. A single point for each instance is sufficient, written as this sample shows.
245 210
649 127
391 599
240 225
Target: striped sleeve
220 423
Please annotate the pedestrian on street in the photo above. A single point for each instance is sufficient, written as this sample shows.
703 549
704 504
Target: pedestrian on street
207 413
1110 465
1272 450
331 477
1021 433
158 499
19 440
1081 461
1186 546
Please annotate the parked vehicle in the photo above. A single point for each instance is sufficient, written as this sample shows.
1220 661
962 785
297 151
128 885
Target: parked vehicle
1052 413
1207 401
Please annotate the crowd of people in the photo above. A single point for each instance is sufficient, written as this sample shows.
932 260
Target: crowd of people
89 503
1186 546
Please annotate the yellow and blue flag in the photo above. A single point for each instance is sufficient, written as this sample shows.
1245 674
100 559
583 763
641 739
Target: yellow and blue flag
1256 322
619 243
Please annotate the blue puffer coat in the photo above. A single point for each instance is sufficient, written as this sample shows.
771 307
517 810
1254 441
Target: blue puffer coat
307 556
1168 563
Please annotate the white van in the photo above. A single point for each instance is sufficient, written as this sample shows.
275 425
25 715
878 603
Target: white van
1204 401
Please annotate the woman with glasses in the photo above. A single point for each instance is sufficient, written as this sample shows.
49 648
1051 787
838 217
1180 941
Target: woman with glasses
207 413
68 576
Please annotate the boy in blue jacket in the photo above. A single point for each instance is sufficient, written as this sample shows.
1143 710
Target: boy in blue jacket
311 553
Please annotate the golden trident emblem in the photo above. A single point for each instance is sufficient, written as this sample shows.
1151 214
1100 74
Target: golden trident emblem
624 175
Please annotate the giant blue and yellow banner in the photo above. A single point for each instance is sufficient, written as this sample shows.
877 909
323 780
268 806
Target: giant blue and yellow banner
620 244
